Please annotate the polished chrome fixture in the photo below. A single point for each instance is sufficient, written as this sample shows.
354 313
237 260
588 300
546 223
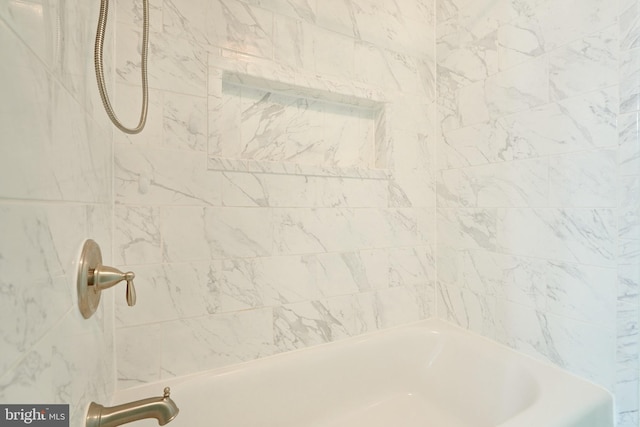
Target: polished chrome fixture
98 62
162 408
93 278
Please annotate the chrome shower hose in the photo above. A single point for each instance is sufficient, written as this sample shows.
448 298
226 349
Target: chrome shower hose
98 61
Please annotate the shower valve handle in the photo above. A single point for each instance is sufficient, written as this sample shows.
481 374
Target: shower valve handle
104 277
131 290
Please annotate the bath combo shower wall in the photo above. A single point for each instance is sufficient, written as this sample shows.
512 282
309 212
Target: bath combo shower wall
55 190
283 194
537 183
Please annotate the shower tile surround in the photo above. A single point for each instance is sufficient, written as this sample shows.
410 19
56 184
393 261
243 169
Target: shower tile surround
55 191
537 182
305 211
521 161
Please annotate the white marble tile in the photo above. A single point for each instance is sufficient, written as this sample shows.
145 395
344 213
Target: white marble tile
413 188
304 10
628 211
573 19
224 132
139 355
519 88
342 273
518 183
482 17
627 346
318 322
266 282
520 41
627 419
468 310
584 122
629 67
351 193
400 305
36 126
196 234
297 231
629 144
459 65
177 64
185 122
51 234
569 338
582 292
472 105
410 113
447 260
467 40
240 27
384 68
583 179
427 223
447 10
168 292
31 318
584 65
561 341
628 252
32 20
185 19
586 236
274 127
131 13
215 341
410 150
58 33
145 175
426 69
136 235
478 144
334 54
268 190
468 228
293 43
628 284
384 24
127 103
338 16
341 229
412 266
629 23
47 371
516 279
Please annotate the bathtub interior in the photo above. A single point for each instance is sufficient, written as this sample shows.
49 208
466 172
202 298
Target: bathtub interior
428 374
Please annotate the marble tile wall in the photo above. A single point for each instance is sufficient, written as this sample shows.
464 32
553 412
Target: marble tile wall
55 191
537 182
628 295
526 142
240 252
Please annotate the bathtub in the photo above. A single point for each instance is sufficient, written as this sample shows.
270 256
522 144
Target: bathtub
427 374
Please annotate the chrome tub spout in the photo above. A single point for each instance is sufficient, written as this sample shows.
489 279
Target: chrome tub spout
161 408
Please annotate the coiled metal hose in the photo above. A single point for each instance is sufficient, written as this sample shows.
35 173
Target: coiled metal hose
98 61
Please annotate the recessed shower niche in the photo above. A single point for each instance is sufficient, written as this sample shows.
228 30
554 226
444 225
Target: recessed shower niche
259 125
